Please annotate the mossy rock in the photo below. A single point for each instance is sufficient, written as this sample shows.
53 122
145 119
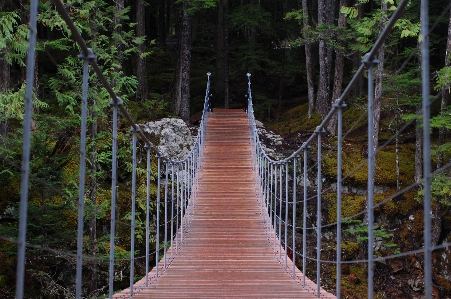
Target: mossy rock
350 250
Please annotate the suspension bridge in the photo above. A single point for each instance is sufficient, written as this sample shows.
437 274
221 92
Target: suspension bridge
227 216
227 249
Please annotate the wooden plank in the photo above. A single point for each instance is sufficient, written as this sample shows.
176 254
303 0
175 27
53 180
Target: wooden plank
226 251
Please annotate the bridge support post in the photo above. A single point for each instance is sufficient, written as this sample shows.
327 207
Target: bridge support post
369 63
425 74
115 103
87 57
135 130
25 169
172 210
304 218
295 182
157 224
319 131
147 212
286 213
275 206
339 105
166 165
280 209
177 209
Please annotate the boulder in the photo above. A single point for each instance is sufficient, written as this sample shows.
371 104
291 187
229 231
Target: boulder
171 136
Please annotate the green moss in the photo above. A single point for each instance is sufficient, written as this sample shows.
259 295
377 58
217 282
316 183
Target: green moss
350 250
353 204
295 120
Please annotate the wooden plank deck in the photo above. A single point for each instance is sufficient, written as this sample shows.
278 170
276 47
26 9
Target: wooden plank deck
226 252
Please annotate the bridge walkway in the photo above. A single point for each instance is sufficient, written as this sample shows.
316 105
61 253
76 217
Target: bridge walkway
226 252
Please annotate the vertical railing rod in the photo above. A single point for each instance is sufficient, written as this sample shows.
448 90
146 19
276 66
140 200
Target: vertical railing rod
319 132
182 202
157 234
25 169
186 200
132 238
271 196
293 258
81 189
286 214
426 148
371 166
304 221
280 210
172 209
115 105
166 213
275 205
178 207
339 190
147 212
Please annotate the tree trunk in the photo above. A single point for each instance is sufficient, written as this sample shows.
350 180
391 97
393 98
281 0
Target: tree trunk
281 84
339 68
222 45
308 61
142 92
377 99
325 16
359 88
162 23
185 63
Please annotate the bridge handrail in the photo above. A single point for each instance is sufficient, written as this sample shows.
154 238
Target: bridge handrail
186 175
268 170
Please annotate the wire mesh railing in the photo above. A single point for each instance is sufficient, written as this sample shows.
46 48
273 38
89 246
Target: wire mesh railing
280 179
178 189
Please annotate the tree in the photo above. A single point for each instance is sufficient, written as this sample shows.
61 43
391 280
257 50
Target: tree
142 92
339 67
183 70
308 59
326 12
222 54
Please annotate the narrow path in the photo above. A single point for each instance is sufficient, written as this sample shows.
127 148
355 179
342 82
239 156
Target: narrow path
226 252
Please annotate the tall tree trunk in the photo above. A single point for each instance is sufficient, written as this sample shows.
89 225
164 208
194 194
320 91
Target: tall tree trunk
308 61
377 97
359 88
162 23
222 45
185 63
339 67
281 83
142 92
325 16
437 228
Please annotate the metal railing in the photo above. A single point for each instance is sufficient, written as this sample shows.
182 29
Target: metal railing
179 175
279 179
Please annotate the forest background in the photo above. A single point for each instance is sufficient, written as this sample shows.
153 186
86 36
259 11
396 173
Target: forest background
156 54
